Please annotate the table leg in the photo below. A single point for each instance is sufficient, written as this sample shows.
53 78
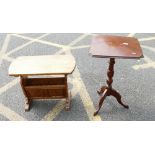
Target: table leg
101 101
118 97
108 90
27 104
28 100
68 102
101 90
68 95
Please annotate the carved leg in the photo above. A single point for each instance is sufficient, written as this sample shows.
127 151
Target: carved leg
27 104
108 90
118 97
68 102
67 95
101 101
101 90
28 100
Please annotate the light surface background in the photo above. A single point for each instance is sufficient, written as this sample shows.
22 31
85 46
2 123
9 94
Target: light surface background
81 16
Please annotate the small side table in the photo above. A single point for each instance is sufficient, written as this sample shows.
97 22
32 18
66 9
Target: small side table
53 87
104 46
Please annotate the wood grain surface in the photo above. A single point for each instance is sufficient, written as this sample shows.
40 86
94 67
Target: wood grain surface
42 65
115 47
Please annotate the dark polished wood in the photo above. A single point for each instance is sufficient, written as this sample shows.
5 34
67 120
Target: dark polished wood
45 88
106 46
105 91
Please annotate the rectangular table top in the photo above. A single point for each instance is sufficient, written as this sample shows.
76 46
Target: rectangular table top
42 65
106 46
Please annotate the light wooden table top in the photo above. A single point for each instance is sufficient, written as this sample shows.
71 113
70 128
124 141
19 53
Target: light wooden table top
42 65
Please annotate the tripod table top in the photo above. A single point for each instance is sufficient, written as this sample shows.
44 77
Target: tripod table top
106 46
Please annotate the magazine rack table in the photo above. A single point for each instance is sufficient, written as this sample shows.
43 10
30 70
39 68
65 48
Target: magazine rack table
54 86
104 46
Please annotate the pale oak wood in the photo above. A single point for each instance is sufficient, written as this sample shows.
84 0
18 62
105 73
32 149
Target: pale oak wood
42 65
55 86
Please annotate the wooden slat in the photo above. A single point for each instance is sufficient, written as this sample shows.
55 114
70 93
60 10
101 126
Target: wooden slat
45 81
45 87
50 97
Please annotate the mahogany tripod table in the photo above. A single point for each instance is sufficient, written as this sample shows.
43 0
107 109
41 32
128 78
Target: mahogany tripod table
55 86
104 46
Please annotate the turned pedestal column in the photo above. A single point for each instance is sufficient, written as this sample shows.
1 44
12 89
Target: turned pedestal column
105 91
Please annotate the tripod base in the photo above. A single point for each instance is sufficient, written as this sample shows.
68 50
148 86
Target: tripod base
106 91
